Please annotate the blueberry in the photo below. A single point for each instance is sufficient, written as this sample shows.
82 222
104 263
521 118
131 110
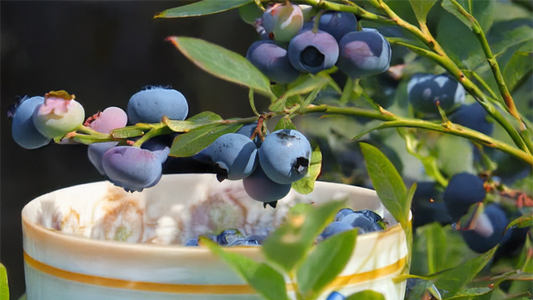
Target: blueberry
313 52
285 156
150 105
111 118
235 156
158 146
58 115
473 116
425 209
23 130
364 53
337 23
363 220
248 130
425 90
273 61
96 152
283 21
334 228
488 230
132 168
259 187
192 242
463 190
229 236
343 213
335 296
248 241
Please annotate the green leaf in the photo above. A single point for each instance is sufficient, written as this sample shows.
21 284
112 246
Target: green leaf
333 252
452 8
436 247
387 182
190 143
501 39
4 288
23 297
455 35
302 85
307 184
366 295
471 292
265 280
196 121
222 63
449 162
421 8
288 245
284 123
518 69
522 221
451 281
202 8
126 132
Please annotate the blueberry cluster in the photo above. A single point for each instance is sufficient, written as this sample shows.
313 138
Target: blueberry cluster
465 190
267 168
231 237
347 219
37 120
291 46
135 168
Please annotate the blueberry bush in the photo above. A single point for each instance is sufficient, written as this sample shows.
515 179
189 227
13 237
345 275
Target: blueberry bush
438 91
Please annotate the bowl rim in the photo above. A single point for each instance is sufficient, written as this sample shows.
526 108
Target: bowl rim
51 234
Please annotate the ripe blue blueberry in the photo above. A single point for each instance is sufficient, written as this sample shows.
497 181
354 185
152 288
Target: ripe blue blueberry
364 53
150 105
337 23
248 131
229 236
425 90
312 52
488 231
473 116
425 209
132 168
365 220
463 190
259 187
272 60
96 152
285 156
283 21
234 155
343 213
23 130
334 228
335 296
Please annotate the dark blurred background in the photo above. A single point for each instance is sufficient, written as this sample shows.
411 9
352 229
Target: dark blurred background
103 52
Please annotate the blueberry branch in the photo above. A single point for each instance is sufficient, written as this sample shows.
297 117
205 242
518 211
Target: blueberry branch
393 121
352 8
436 53
478 32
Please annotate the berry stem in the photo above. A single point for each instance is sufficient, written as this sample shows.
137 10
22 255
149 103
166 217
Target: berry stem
252 102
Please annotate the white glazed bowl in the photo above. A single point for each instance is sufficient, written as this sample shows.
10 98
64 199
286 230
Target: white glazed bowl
62 263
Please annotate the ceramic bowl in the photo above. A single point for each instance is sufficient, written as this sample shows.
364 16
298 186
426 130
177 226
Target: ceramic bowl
95 241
